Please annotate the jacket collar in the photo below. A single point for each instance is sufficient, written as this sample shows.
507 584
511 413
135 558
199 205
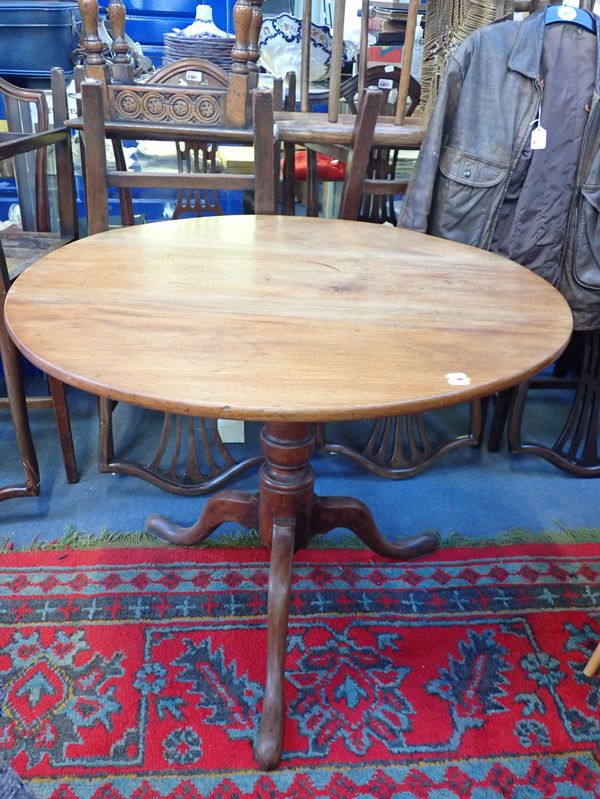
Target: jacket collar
526 54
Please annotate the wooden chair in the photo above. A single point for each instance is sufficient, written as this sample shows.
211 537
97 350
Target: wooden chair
307 127
327 132
402 446
15 390
398 447
191 457
379 184
575 446
144 112
26 145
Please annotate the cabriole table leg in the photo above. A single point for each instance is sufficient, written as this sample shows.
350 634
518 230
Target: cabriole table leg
270 738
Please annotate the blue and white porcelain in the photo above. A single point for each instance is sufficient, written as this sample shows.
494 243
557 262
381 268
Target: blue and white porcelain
280 47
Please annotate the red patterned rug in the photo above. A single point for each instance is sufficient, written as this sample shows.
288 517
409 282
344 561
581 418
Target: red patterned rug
137 674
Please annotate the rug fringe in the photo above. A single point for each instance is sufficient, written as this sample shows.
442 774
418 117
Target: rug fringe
520 535
74 539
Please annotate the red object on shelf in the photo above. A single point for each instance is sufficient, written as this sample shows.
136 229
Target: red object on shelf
328 168
385 54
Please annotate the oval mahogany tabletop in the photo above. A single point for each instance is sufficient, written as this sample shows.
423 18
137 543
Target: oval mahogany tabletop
284 318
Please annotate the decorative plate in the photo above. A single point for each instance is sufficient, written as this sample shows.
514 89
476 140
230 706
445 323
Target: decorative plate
280 47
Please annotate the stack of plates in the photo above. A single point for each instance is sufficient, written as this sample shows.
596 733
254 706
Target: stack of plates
216 50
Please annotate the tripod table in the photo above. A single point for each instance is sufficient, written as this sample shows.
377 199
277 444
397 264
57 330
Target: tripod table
289 321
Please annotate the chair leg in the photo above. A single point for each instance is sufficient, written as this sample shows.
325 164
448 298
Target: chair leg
593 663
575 449
502 403
63 424
15 391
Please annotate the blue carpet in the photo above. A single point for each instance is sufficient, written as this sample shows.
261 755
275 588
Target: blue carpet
471 492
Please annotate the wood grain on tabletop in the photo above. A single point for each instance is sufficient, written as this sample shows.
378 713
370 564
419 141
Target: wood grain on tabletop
284 318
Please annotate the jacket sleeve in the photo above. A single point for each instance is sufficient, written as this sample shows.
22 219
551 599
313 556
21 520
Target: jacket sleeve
417 202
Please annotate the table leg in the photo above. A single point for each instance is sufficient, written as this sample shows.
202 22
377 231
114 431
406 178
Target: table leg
288 514
270 737
331 512
226 506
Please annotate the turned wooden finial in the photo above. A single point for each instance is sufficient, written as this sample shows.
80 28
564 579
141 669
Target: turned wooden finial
237 110
116 14
122 69
90 41
254 34
242 20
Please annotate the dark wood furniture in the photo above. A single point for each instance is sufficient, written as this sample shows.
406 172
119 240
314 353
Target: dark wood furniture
234 102
17 404
323 320
378 182
26 146
191 457
573 447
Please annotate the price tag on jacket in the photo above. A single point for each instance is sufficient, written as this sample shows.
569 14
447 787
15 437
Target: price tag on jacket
538 138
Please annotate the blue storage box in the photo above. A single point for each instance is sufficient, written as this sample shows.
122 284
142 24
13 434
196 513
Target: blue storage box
36 36
185 8
149 20
151 30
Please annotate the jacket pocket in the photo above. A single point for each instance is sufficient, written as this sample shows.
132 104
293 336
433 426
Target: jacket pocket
467 190
586 256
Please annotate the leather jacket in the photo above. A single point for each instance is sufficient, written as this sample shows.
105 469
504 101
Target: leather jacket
486 105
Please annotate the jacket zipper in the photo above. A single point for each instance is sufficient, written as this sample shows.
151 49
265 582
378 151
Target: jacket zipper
516 156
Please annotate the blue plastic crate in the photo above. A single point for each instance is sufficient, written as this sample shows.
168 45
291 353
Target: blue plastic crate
151 30
36 36
148 20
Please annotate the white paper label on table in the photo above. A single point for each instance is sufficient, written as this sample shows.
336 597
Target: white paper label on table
458 379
